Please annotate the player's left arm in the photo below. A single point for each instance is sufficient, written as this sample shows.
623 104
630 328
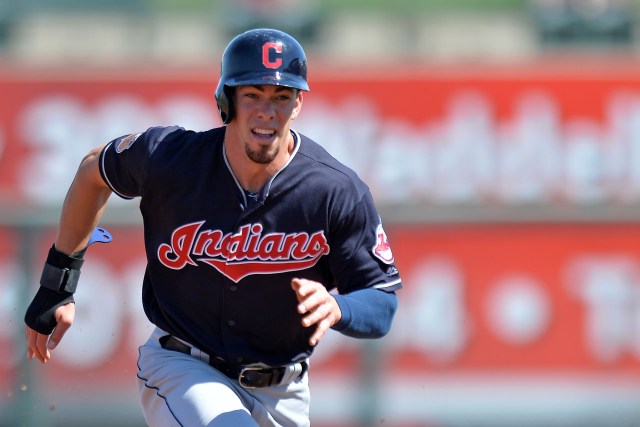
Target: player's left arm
362 267
366 313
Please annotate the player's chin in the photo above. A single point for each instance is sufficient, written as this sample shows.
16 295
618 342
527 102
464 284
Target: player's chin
262 155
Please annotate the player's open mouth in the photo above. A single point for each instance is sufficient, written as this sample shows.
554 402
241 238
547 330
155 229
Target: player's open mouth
263 132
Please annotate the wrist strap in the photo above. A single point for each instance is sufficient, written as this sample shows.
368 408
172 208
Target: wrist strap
61 272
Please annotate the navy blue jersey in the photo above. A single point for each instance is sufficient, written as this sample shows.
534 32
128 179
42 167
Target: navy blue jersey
219 268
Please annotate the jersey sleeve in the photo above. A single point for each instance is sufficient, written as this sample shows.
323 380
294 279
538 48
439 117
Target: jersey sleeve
361 255
124 161
366 313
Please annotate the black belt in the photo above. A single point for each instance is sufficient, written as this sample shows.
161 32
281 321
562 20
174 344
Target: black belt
248 376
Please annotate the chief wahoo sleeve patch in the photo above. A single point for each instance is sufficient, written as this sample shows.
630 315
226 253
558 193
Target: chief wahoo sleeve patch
382 249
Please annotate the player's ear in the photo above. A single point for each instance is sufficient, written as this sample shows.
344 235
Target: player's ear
298 105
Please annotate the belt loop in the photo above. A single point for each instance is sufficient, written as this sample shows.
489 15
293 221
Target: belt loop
199 354
294 372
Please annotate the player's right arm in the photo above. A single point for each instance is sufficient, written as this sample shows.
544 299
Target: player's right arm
82 209
83 206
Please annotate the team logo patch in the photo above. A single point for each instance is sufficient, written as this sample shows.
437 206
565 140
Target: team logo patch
382 250
238 255
126 142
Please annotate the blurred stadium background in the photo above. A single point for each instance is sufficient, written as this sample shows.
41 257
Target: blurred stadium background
501 139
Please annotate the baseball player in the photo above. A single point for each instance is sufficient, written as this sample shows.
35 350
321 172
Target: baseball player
257 242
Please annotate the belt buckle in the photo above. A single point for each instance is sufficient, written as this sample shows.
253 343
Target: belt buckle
241 376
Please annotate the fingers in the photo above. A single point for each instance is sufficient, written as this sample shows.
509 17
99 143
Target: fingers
65 316
323 327
319 306
43 353
301 292
307 292
39 345
31 353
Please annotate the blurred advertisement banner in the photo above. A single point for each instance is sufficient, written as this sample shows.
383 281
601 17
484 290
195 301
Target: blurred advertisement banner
433 137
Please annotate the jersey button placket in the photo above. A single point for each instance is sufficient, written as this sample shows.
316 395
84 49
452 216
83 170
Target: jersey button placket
231 323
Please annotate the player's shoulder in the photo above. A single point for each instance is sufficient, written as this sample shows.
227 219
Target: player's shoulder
177 134
322 162
161 132
172 139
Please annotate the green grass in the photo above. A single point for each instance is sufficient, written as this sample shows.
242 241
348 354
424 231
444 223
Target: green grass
413 6
327 7
386 6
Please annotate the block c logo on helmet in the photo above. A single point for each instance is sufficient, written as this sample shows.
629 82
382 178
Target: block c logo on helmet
266 49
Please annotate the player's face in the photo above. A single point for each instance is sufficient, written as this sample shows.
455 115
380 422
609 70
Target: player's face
263 119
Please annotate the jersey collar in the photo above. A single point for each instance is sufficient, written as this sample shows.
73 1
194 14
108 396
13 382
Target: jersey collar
264 192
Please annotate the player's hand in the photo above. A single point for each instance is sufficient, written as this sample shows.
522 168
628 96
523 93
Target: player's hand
40 345
318 305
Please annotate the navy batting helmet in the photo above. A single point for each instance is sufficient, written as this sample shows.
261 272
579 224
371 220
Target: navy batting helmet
260 57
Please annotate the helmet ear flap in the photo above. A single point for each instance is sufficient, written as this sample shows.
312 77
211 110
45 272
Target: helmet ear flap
224 99
231 110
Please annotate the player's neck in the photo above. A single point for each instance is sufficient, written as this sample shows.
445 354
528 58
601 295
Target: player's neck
252 175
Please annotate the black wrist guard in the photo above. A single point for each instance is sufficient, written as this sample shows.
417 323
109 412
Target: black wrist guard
61 272
40 315
57 284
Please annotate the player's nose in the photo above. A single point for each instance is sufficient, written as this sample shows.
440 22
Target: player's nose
266 109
